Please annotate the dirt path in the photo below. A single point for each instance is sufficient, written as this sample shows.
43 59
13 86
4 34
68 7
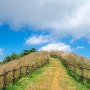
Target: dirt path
55 82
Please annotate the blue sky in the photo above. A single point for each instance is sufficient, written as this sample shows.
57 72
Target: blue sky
45 25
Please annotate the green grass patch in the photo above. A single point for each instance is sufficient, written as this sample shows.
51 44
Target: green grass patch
75 80
21 84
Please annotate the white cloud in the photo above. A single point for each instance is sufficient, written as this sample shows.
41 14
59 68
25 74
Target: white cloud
57 46
1 51
37 40
79 47
60 46
62 17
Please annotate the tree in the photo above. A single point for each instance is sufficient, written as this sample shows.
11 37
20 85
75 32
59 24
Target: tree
14 56
10 58
1 62
26 52
33 50
7 59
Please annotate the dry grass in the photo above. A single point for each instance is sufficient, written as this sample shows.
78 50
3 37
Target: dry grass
66 82
40 79
43 78
28 60
76 60
72 58
25 61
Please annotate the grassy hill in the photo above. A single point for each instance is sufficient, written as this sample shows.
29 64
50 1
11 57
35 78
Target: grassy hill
72 58
51 76
12 69
77 66
24 61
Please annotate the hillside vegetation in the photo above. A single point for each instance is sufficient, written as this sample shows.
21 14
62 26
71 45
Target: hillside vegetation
77 66
72 58
52 76
15 56
26 60
33 61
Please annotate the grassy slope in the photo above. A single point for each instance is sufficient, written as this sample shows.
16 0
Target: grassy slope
68 83
76 60
27 60
41 79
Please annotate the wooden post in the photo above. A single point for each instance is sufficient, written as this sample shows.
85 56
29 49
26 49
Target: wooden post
75 69
27 67
66 64
32 67
13 78
45 61
70 67
4 79
82 70
36 65
41 63
20 71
